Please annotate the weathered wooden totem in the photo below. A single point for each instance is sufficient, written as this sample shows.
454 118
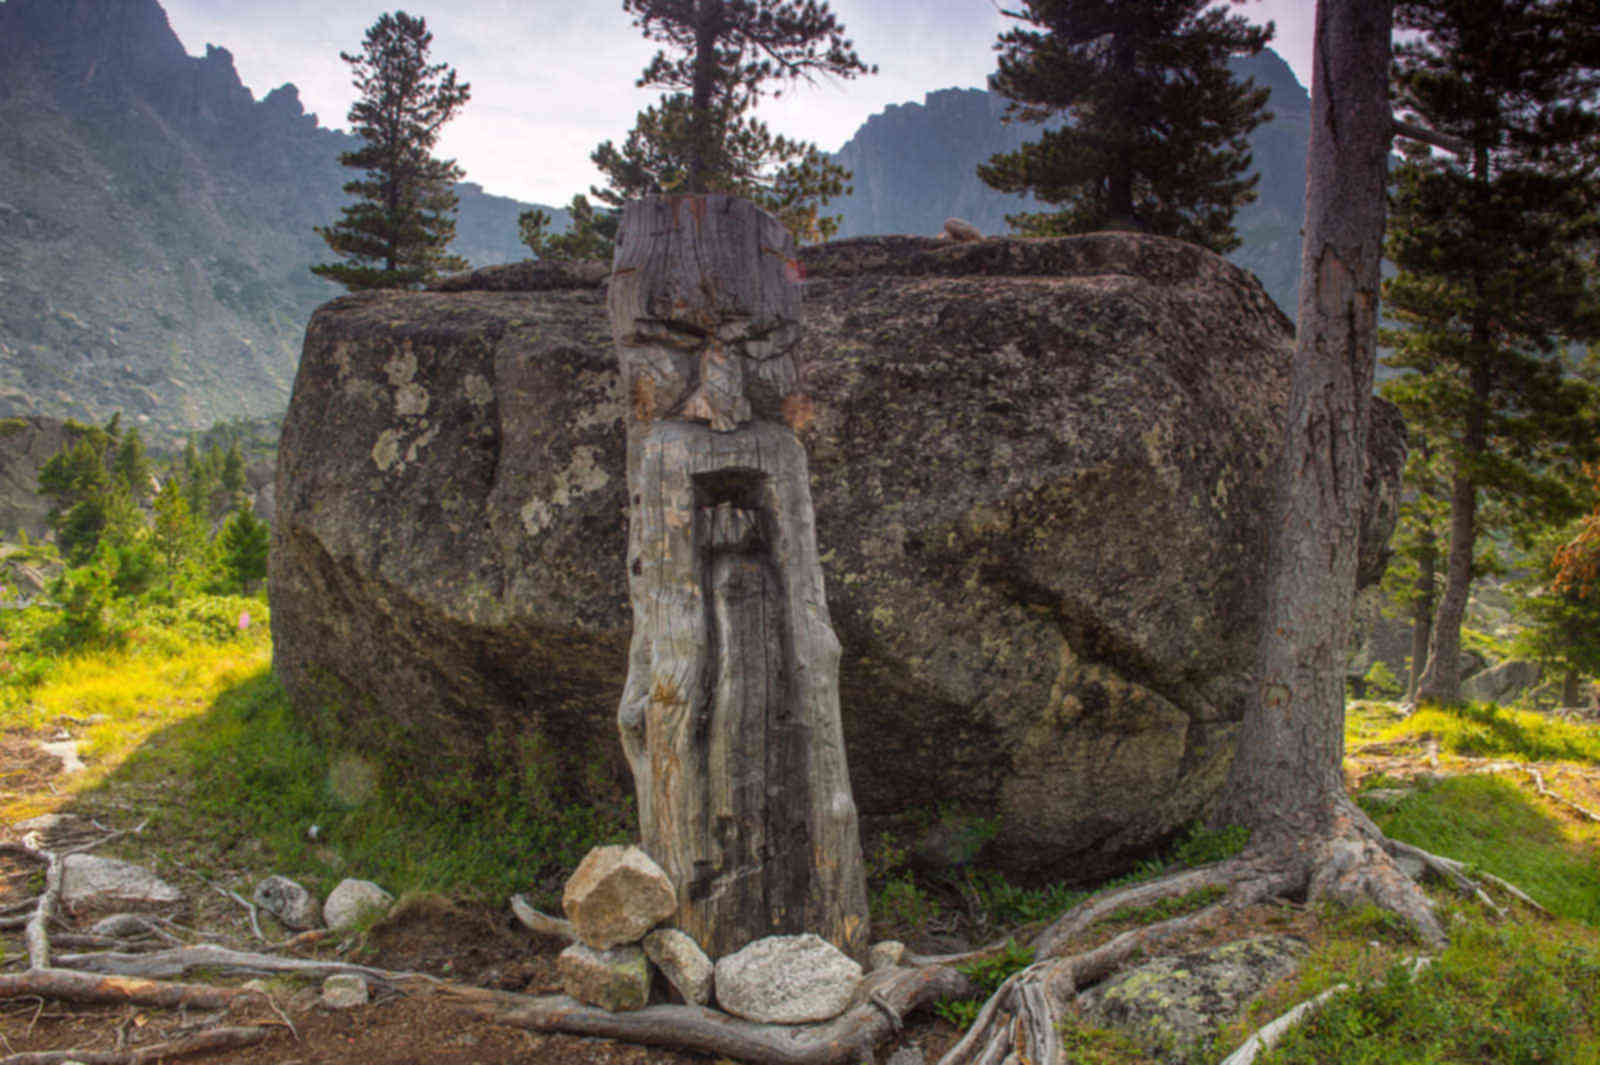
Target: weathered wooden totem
730 717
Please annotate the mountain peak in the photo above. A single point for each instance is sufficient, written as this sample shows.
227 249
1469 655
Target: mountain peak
85 42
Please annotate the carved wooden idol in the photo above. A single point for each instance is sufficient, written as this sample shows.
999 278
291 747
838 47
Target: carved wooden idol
730 717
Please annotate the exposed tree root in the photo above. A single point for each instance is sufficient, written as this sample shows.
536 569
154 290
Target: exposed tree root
1351 863
90 989
541 923
200 1043
848 1038
1267 1036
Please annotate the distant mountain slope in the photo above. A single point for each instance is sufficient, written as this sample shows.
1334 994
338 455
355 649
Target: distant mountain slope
156 221
915 165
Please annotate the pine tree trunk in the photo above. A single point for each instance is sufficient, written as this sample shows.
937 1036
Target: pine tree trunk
1571 689
708 20
1422 608
1285 782
730 715
1441 682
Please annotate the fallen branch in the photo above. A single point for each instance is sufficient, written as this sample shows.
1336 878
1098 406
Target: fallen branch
845 1039
67 985
1560 800
1267 1036
541 923
175 962
199 1043
37 932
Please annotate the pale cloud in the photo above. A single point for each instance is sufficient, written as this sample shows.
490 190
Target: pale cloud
550 80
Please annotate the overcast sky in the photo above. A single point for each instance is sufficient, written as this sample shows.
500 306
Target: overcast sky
552 78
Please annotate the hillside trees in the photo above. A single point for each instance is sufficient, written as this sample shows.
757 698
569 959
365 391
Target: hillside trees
1155 137
396 232
592 233
1492 249
726 55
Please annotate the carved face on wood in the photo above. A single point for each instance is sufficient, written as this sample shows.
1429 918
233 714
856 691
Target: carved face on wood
706 329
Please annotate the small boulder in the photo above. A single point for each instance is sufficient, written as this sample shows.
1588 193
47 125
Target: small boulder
293 906
121 926
1171 1003
617 895
885 954
344 991
1501 683
959 229
90 881
350 900
682 962
787 980
615 980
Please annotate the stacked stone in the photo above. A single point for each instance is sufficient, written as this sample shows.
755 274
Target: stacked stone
615 901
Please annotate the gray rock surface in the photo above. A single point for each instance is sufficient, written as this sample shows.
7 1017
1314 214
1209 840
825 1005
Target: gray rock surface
293 906
1039 468
615 980
787 980
347 903
345 991
1170 1003
1503 682
90 881
616 895
682 962
885 954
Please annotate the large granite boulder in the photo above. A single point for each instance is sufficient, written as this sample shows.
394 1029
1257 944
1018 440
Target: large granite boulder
1041 473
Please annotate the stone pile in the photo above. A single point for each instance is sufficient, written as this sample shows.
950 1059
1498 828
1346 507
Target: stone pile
297 909
615 902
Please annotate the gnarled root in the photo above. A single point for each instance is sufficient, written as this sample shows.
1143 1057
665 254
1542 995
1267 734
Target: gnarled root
845 1039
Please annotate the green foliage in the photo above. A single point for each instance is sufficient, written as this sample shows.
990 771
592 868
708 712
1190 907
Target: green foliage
1200 845
1166 909
1492 247
700 137
987 974
1508 995
1381 681
244 542
592 234
1157 132
395 233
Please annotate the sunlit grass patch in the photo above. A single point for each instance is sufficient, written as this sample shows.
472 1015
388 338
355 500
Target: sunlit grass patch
1487 730
1494 824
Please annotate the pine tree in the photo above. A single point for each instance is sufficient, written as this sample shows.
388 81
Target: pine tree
244 543
700 137
1492 281
395 233
132 466
592 233
1156 126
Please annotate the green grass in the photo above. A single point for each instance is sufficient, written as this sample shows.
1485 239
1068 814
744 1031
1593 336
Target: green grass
1514 994
178 713
1493 824
255 776
1487 730
1166 909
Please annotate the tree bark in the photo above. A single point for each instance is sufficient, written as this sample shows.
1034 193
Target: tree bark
1285 782
1441 681
1422 609
730 715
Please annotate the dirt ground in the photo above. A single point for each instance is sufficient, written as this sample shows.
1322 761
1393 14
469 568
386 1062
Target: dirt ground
462 942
